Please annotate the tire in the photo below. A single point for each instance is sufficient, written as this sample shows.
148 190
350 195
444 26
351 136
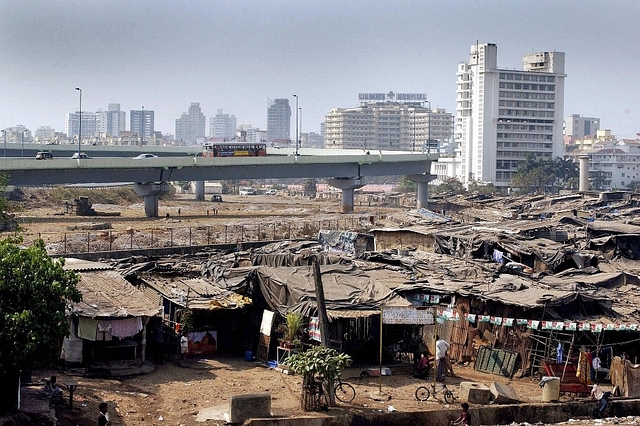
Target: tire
422 393
345 392
448 396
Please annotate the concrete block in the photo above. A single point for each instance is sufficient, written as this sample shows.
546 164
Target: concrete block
475 393
244 407
503 394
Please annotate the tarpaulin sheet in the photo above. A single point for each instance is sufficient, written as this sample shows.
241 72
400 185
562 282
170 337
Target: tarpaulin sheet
345 288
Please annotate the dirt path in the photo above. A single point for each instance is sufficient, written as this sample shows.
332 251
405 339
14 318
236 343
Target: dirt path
177 394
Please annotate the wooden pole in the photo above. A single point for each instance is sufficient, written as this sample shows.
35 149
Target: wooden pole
323 319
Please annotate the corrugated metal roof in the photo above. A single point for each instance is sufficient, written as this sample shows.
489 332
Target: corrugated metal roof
107 294
78 265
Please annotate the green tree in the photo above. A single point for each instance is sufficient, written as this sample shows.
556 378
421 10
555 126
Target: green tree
318 362
34 295
534 174
406 185
477 187
449 185
310 188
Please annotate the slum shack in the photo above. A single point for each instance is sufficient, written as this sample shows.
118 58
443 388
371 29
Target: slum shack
110 321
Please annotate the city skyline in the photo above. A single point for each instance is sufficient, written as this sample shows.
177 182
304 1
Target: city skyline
326 53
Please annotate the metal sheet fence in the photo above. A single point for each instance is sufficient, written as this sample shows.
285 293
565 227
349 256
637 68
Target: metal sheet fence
61 243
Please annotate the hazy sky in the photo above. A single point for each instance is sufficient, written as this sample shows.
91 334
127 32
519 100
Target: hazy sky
236 54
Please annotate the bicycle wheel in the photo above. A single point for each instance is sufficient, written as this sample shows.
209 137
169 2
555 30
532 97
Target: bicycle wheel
448 396
345 392
422 393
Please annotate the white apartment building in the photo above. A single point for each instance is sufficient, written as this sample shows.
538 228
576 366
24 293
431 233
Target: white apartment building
383 123
222 126
503 115
72 124
191 125
111 122
617 162
578 127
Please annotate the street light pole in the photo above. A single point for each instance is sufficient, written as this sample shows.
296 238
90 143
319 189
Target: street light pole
300 109
296 96
142 127
22 142
429 134
4 132
80 124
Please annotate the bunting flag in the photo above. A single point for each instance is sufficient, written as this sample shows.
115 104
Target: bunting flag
596 328
455 316
558 325
533 324
609 327
621 327
570 326
435 299
470 317
495 320
483 318
632 327
521 321
507 322
440 313
547 325
584 326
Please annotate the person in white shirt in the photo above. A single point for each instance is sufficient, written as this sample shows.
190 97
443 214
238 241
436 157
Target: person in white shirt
442 346
602 397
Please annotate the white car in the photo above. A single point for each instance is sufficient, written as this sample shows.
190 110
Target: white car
271 192
145 156
79 156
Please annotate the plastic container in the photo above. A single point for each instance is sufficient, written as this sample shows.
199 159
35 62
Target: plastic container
551 389
248 356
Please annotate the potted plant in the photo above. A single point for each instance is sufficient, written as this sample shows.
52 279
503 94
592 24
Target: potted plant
291 330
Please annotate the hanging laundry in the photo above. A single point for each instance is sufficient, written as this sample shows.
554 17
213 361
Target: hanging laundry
126 327
104 331
559 353
87 328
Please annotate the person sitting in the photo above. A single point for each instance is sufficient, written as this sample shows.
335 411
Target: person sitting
52 389
424 366
603 399
465 418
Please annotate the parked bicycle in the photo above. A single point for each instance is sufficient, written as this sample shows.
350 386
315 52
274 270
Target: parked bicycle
343 391
423 393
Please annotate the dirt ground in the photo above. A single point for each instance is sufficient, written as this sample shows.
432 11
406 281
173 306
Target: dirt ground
180 395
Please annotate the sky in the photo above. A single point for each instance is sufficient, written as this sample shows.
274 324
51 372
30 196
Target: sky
235 55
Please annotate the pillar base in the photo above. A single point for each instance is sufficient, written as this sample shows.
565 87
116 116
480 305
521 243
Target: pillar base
347 185
151 192
422 192
199 189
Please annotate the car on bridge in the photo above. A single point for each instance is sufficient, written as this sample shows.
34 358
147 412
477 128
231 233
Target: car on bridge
79 156
145 156
44 155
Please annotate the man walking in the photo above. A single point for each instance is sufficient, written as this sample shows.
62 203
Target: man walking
442 346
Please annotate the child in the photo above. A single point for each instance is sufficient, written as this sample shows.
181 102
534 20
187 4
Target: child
465 417
184 346
103 417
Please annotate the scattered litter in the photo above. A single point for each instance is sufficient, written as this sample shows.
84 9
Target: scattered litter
391 409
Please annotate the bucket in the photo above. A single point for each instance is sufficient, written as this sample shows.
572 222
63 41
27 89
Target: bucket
551 389
248 356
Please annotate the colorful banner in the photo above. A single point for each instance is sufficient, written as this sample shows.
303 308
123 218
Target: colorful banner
483 318
470 317
533 324
507 322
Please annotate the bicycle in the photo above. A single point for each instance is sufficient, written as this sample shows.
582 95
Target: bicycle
344 392
423 393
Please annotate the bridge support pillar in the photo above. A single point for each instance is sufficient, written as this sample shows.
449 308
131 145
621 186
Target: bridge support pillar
199 189
151 192
422 192
347 185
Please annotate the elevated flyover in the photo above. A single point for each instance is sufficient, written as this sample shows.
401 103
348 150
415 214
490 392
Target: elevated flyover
346 170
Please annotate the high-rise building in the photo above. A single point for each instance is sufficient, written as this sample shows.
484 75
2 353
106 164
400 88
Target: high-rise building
111 122
72 124
45 133
143 122
503 114
191 125
388 121
279 122
222 126
253 134
577 127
